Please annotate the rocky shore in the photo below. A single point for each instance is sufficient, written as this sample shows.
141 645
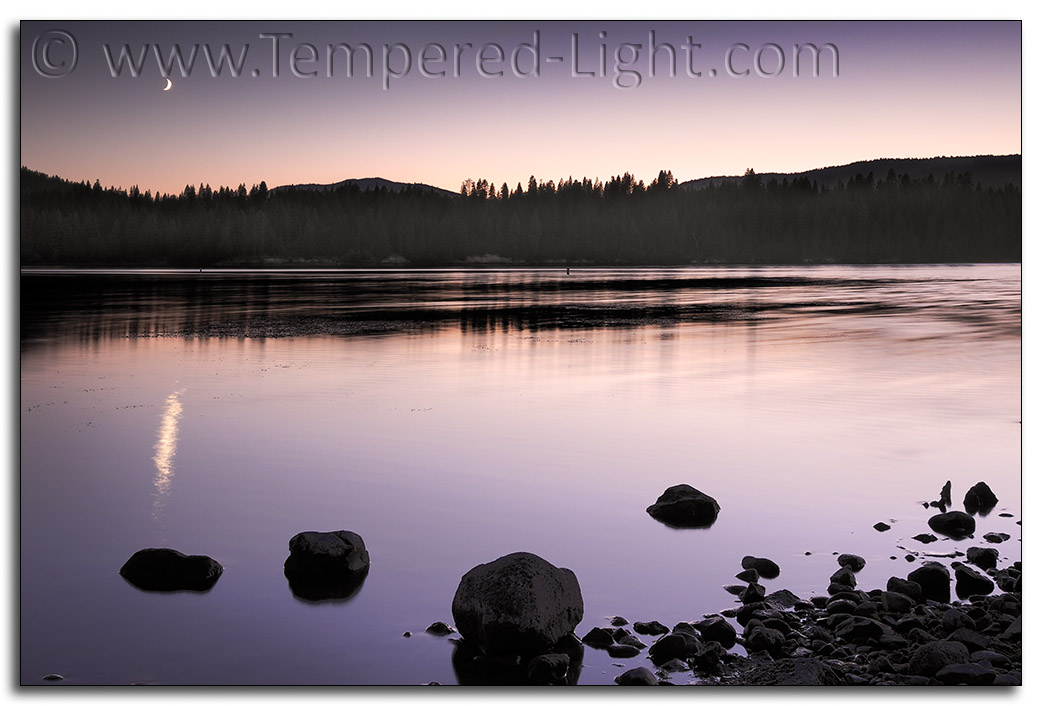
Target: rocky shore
940 625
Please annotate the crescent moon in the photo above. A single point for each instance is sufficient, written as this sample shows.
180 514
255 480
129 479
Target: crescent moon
169 85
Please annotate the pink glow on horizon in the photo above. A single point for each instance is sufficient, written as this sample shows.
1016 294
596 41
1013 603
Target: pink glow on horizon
910 91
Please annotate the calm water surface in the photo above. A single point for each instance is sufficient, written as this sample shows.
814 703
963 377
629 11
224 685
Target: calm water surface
451 417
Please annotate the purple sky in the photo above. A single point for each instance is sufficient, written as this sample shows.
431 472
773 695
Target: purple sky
904 89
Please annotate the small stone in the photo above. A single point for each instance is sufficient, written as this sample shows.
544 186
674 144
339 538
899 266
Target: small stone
630 639
851 561
53 677
765 567
621 651
326 565
973 640
972 674
946 494
753 593
925 538
764 639
782 598
929 658
716 629
894 602
994 658
672 645
844 577
1005 514
675 665
440 629
954 524
880 527
935 581
650 628
641 676
682 506
166 570
909 588
980 499
598 638
969 582
749 576
619 621
406 634
996 537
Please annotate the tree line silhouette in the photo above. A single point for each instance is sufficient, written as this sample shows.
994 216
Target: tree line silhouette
867 219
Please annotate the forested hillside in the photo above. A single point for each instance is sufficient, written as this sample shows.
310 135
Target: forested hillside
890 218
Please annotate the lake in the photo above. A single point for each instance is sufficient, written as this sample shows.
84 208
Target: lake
454 416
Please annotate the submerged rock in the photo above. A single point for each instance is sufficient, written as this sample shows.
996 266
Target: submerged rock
685 507
880 527
326 565
954 524
161 569
979 499
925 538
519 603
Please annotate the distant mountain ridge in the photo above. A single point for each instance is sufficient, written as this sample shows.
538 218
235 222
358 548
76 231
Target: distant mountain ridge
988 170
366 184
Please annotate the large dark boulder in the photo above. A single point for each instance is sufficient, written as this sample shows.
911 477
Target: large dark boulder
519 603
684 506
161 569
954 524
326 565
979 499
